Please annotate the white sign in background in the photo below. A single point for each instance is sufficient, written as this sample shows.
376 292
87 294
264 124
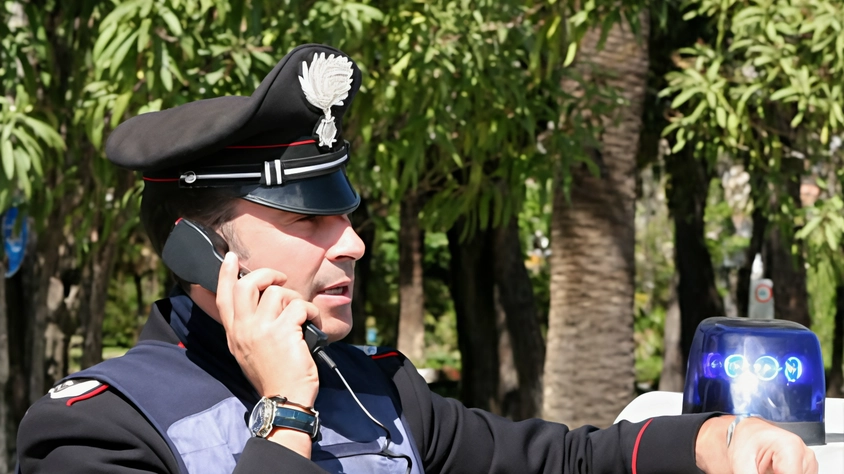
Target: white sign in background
761 301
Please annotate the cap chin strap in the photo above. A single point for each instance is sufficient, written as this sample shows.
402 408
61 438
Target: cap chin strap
269 173
276 169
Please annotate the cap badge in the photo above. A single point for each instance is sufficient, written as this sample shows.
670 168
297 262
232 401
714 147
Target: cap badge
326 83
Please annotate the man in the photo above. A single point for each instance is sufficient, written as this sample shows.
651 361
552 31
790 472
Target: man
223 380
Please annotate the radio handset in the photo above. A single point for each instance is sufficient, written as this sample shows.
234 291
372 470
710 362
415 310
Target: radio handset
195 254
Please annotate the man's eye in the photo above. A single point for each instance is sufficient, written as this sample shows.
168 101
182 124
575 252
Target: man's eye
308 218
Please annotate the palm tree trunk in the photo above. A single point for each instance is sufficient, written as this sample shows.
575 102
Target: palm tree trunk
589 361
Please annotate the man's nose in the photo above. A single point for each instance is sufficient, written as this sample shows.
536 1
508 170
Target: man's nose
349 245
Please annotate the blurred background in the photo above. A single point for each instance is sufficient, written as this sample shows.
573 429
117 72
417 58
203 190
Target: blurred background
554 193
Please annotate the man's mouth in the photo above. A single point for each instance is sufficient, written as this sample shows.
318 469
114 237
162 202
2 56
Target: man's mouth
340 290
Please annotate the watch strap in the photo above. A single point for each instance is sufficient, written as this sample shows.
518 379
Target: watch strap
296 420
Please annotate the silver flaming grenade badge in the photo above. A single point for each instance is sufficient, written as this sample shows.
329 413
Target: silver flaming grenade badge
326 83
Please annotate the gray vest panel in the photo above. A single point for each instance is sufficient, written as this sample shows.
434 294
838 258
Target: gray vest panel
205 425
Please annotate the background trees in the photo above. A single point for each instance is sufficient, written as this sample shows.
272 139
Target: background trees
483 128
764 94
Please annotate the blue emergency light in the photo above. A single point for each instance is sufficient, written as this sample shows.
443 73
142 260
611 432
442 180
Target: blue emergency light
768 368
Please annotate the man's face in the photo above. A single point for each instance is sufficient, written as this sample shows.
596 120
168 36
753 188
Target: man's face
317 253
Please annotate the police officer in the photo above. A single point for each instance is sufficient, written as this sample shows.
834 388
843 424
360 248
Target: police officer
224 379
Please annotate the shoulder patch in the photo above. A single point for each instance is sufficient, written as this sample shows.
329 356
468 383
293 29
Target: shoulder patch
368 350
76 390
378 352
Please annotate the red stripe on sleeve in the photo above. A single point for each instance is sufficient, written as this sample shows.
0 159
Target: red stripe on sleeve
102 388
636 446
388 354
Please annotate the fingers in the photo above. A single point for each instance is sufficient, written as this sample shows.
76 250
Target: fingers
242 297
793 458
225 285
298 311
274 301
263 320
745 462
810 462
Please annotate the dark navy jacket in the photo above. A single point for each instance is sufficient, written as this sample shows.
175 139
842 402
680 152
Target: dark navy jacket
102 431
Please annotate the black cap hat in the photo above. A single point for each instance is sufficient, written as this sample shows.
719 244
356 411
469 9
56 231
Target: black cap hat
281 147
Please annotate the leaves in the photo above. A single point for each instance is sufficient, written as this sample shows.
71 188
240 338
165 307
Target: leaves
781 55
766 89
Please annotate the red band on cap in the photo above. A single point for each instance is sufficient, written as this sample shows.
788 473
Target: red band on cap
282 145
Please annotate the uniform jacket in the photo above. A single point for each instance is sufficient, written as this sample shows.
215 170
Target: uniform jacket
99 429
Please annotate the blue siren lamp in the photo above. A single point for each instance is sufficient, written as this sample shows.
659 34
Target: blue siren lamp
764 367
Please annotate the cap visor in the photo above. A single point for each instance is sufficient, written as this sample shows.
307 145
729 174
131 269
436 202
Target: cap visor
325 195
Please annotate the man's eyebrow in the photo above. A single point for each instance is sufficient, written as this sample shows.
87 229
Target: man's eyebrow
292 217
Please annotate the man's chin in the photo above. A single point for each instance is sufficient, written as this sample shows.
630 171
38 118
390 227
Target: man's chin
336 326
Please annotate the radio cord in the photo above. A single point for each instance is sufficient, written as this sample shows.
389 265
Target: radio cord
385 451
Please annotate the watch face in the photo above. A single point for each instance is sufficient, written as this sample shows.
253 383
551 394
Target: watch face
258 418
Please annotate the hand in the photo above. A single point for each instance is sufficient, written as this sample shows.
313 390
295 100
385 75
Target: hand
757 447
263 323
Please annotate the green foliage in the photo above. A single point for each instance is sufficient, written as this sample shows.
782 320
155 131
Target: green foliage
534 226
122 322
775 65
648 335
821 280
822 235
455 97
722 240
823 231
441 342
655 275
765 91
382 300
23 140
27 134
449 94
461 101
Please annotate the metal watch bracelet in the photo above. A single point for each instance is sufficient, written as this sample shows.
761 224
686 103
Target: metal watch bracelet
732 427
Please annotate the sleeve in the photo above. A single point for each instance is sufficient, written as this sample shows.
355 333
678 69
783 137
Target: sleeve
100 434
261 455
103 433
454 439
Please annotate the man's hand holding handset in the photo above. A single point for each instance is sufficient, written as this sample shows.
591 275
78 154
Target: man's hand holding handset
263 322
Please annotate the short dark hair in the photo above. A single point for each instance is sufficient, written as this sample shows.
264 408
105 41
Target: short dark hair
162 205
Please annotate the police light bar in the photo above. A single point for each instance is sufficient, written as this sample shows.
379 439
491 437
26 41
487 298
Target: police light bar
768 368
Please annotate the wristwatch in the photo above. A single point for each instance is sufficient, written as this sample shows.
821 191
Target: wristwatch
269 413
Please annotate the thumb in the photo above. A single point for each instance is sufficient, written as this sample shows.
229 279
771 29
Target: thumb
225 292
